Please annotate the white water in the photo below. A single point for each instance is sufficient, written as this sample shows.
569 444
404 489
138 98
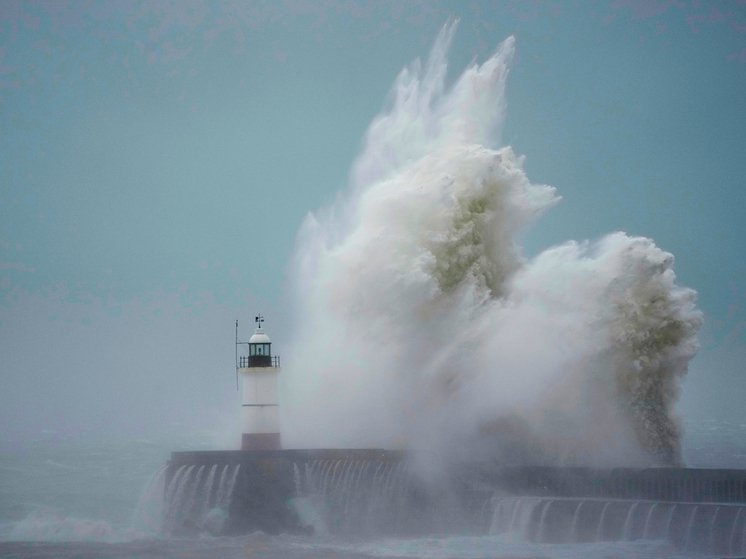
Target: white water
421 324
208 483
703 528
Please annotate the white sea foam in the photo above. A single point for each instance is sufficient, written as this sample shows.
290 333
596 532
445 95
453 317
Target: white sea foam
421 324
47 526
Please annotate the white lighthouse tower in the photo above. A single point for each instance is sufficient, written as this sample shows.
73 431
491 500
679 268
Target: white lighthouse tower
260 406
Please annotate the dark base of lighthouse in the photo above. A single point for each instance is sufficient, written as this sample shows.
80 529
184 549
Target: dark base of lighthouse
374 492
260 442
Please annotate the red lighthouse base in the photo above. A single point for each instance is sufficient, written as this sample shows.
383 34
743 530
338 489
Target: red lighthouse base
260 441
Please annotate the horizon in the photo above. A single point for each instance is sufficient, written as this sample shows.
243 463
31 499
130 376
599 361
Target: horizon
158 166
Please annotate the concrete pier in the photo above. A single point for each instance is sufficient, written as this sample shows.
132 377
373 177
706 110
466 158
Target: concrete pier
653 484
265 484
359 491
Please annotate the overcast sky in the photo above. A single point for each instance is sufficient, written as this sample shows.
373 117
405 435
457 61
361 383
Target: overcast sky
157 159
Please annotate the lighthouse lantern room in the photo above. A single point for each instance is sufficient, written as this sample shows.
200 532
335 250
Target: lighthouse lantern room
260 411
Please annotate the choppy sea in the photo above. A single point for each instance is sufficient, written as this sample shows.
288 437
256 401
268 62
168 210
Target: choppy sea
60 498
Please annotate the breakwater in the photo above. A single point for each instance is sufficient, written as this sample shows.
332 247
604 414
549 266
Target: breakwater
652 484
375 492
356 491
699 527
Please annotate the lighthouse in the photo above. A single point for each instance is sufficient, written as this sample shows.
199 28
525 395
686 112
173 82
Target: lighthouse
259 404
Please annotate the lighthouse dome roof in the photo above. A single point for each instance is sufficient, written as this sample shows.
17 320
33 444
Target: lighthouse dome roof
259 337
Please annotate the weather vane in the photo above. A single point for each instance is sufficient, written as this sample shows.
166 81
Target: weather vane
259 319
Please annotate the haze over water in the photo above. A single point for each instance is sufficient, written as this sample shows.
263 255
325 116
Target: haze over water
420 323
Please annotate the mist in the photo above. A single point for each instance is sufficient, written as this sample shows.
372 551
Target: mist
153 373
420 323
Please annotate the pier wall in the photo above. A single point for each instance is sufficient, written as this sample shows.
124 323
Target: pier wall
378 491
651 484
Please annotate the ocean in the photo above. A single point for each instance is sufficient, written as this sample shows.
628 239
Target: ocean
60 498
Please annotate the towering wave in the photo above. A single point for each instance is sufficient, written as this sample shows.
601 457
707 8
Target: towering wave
421 325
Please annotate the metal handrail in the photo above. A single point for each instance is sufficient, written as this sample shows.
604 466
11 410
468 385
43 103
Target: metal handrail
243 362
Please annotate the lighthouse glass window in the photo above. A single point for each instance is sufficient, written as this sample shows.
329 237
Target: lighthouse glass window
258 349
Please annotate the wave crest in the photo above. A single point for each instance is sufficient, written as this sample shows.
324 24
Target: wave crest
421 324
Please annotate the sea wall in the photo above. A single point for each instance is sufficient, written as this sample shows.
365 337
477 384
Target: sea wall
699 527
651 484
303 491
375 491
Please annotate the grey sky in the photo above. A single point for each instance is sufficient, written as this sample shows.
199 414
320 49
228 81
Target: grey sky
157 159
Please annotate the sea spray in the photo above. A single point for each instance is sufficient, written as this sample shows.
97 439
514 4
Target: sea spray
420 323
148 516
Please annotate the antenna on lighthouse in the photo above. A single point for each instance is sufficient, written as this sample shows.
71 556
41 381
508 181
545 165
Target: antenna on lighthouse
236 355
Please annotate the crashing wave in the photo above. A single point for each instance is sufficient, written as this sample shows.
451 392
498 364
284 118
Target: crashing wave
421 324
